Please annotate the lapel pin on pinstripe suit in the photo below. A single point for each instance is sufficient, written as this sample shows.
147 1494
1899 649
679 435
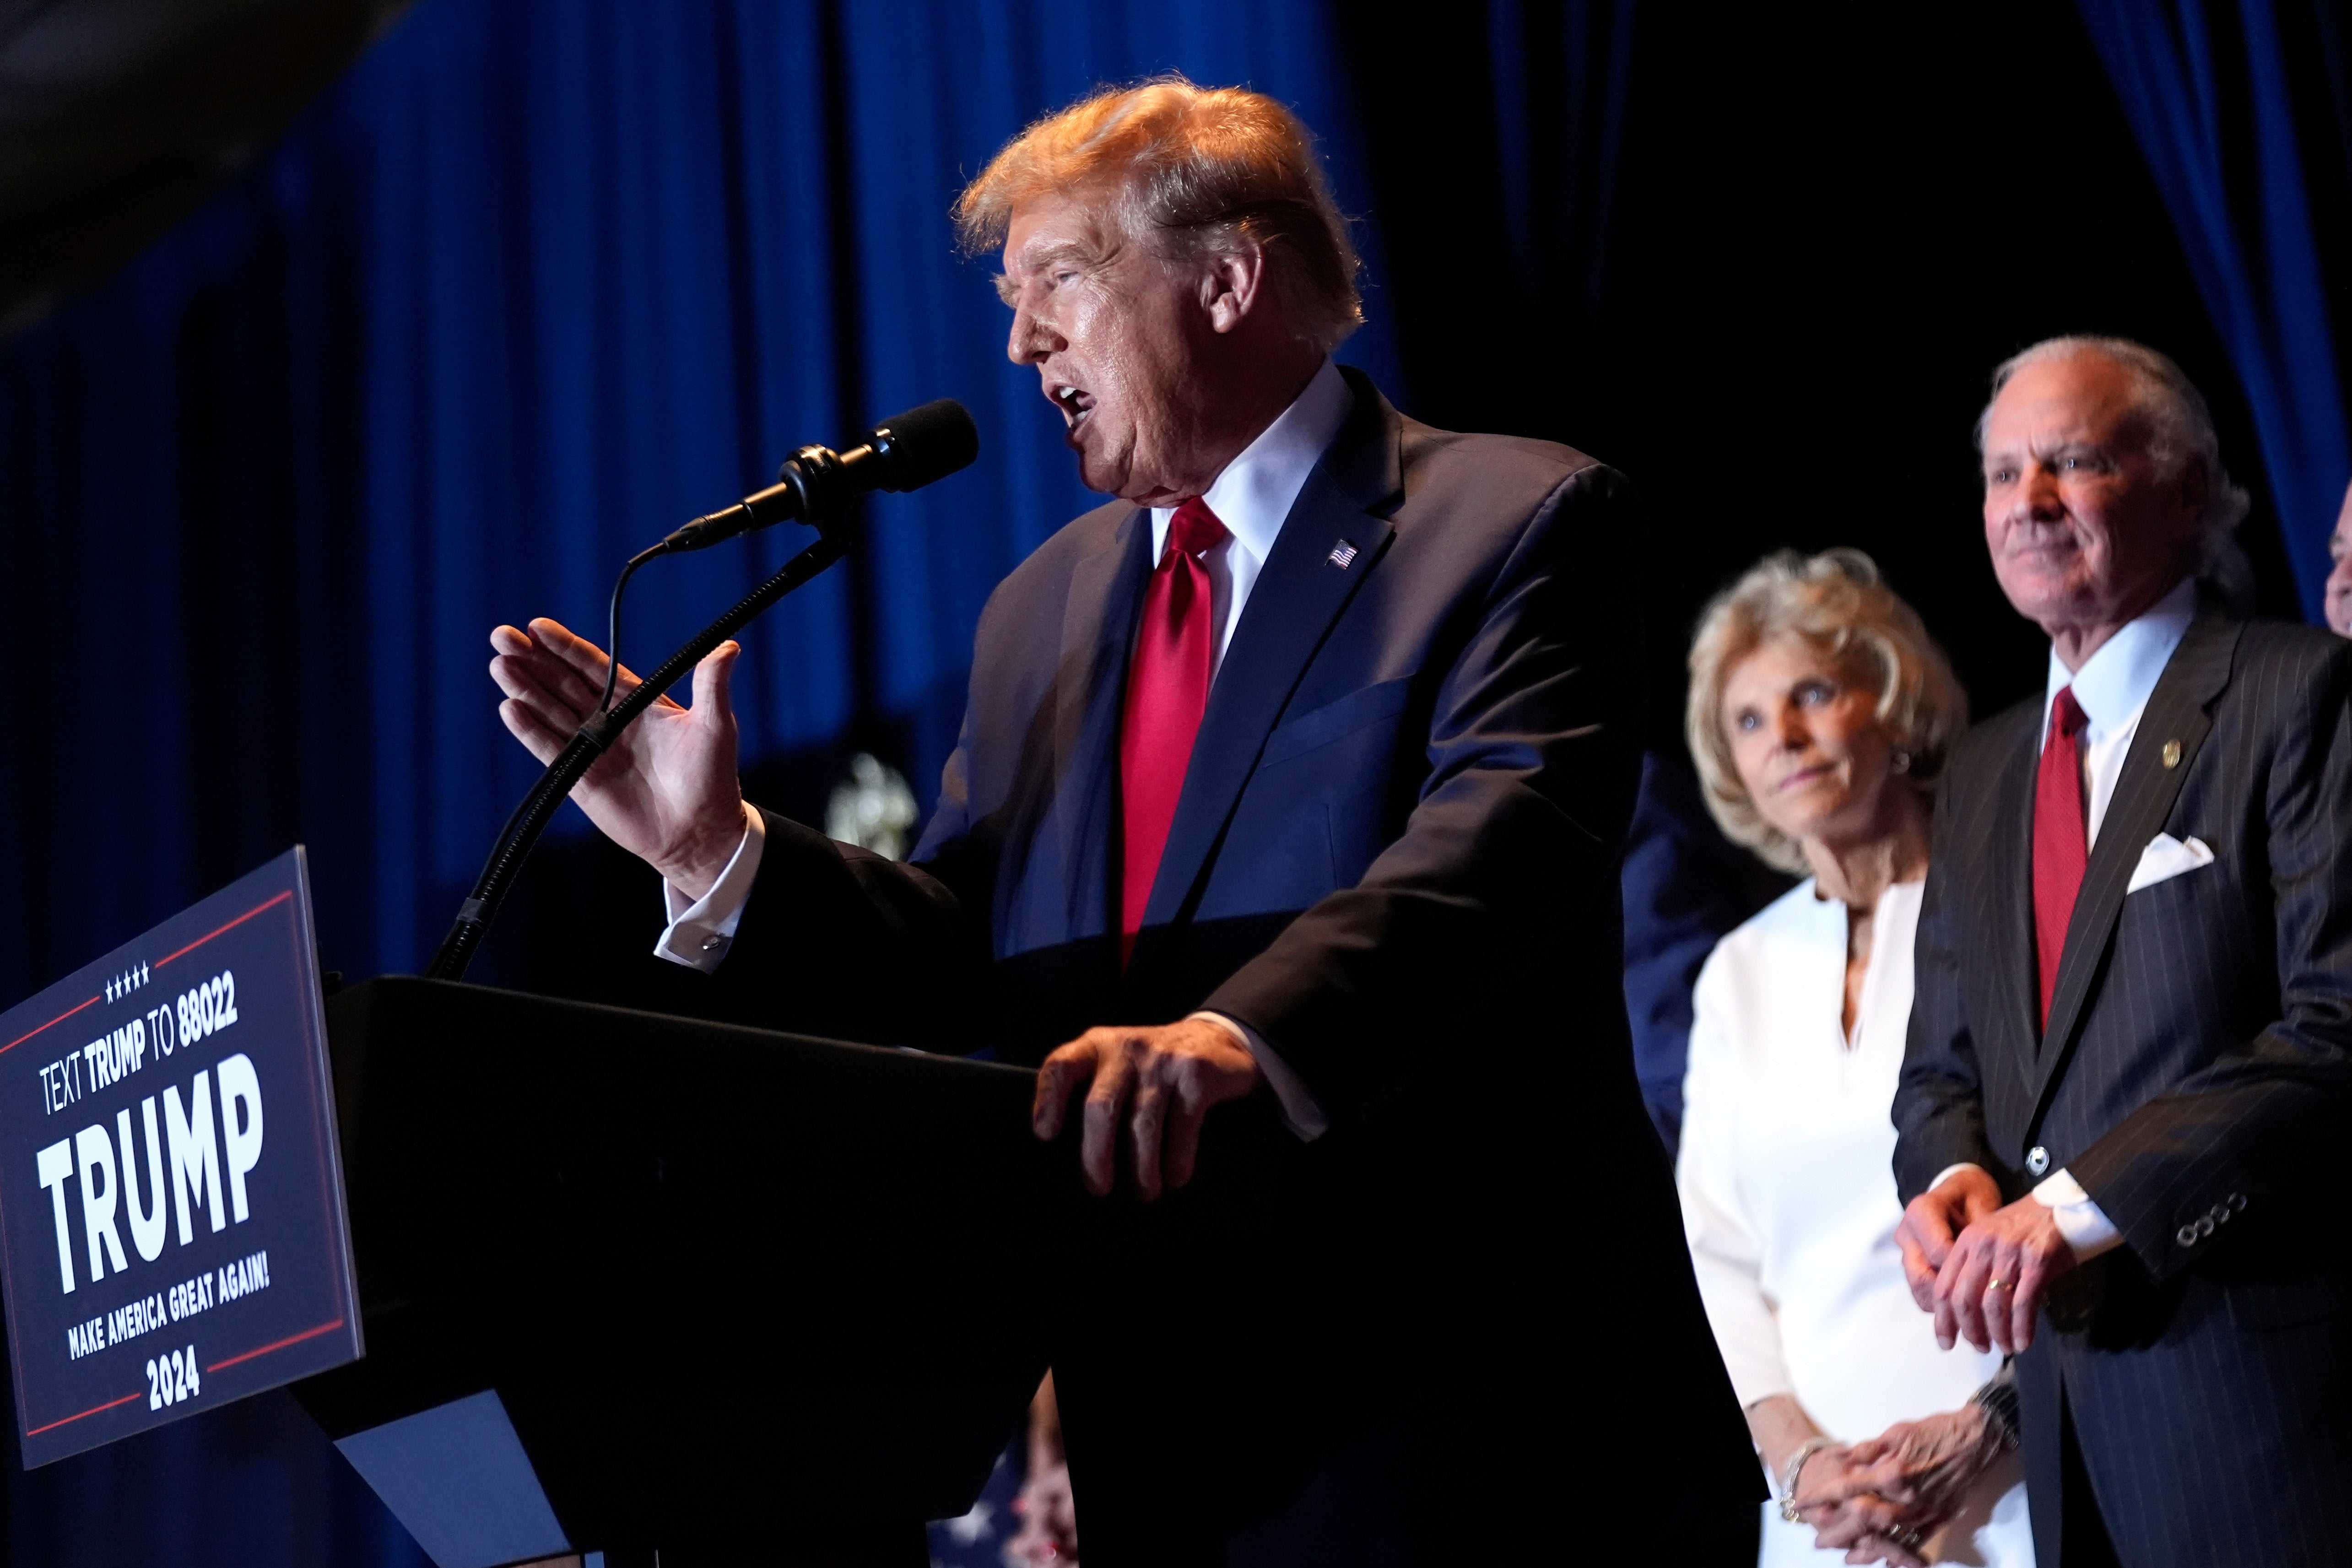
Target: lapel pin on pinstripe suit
2172 753
1343 556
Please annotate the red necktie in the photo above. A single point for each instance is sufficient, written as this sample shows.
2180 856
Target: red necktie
2062 848
1167 689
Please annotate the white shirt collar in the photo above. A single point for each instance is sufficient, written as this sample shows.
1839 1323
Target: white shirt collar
1256 490
2114 683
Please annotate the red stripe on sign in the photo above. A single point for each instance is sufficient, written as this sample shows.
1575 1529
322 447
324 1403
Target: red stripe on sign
91 1411
231 926
58 1020
281 1344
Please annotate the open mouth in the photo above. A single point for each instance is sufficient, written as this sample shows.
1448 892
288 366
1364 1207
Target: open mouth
1074 404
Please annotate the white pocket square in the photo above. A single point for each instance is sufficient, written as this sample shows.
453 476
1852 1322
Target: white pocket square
2167 856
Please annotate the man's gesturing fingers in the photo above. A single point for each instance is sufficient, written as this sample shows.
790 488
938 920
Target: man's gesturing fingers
558 675
530 661
584 661
539 711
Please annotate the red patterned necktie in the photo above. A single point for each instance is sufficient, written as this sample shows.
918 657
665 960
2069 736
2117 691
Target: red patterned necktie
1167 689
2061 845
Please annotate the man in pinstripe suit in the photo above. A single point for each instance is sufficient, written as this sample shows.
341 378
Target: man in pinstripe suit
2129 1076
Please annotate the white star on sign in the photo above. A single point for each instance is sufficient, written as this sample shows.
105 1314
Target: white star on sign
970 1527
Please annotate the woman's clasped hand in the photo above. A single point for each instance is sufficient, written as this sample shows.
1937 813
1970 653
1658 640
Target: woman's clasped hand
1883 1499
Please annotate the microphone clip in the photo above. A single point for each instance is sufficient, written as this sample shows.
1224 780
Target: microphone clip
812 486
819 478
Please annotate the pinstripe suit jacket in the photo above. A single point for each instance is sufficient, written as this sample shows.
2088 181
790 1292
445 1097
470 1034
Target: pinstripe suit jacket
2195 1077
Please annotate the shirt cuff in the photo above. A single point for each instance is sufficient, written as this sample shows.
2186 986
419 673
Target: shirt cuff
2087 1230
1948 1172
699 934
1300 1111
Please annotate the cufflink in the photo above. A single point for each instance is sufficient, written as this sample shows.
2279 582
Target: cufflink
713 943
2037 1160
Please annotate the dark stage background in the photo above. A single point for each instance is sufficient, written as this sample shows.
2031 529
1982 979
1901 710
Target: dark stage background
539 279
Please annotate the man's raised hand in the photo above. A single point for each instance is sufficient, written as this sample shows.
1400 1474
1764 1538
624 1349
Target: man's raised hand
1153 1084
667 791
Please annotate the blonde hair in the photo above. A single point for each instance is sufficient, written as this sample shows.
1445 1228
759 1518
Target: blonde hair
1836 603
1194 169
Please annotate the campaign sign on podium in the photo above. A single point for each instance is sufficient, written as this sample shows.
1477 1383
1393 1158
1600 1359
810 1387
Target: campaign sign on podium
172 1222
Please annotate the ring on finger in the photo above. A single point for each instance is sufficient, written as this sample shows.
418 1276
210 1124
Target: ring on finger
1996 1284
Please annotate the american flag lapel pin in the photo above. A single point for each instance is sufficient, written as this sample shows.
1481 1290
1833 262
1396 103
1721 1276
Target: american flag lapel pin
1343 556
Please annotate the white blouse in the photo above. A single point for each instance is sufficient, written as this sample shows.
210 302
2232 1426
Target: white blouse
1789 1202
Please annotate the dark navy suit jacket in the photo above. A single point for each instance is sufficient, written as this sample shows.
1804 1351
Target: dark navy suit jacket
1395 856
2194 1076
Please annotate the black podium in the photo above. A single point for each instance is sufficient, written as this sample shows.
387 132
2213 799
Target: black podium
632 1282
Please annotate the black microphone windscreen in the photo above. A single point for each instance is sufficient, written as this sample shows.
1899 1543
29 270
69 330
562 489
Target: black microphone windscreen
924 444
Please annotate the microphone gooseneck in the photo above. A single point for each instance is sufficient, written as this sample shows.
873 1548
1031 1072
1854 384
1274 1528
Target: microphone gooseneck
613 625
914 449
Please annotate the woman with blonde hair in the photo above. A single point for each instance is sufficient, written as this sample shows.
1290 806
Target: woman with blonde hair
1820 712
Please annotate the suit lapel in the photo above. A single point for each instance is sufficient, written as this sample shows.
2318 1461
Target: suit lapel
2179 710
2011 830
1105 595
1299 594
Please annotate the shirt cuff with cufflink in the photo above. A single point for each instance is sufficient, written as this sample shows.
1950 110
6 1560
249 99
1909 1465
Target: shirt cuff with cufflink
699 934
2087 1229
1300 1111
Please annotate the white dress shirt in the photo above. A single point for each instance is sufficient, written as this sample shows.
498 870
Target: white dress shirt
1254 494
2113 688
1251 496
1788 1202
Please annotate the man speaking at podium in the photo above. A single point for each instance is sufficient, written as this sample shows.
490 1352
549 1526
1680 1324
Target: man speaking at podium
1291 782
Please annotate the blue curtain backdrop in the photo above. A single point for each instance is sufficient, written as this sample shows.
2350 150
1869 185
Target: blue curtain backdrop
2241 108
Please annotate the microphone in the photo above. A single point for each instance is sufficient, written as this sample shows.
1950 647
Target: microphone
904 452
